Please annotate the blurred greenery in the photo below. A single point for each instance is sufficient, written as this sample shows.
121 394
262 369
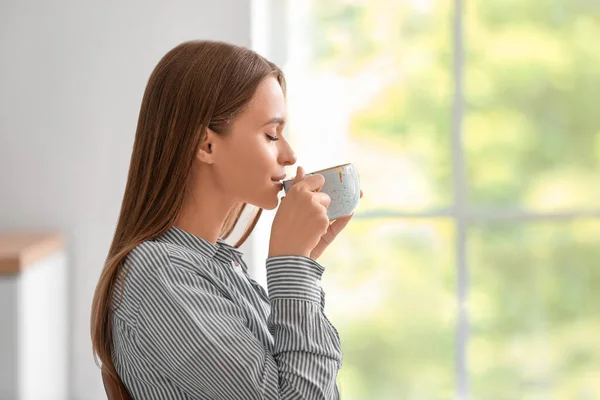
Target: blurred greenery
398 311
406 53
535 310
532 76
533 123
532 142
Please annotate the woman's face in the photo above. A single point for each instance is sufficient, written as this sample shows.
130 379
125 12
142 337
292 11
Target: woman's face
250 160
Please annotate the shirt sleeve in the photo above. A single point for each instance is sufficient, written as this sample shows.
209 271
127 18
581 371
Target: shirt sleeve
197 337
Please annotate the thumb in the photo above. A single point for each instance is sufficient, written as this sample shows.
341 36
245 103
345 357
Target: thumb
299 175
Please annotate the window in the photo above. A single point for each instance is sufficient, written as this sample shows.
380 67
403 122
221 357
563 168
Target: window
472 268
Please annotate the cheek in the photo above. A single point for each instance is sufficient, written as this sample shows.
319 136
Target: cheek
259 155
247 163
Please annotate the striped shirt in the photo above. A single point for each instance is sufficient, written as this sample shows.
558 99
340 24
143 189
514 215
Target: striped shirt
189 323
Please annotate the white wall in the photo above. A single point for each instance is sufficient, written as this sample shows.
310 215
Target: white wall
43 329
72 74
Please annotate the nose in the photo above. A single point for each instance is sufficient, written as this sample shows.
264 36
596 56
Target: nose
287 156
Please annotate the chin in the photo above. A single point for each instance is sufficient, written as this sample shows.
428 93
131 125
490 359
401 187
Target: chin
270 204
267 203
267 199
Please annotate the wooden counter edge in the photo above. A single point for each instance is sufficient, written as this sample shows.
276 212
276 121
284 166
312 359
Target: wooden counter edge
19 250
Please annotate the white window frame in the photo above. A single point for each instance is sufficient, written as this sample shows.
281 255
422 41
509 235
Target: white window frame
269 38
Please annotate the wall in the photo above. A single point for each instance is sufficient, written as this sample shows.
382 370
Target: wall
72 77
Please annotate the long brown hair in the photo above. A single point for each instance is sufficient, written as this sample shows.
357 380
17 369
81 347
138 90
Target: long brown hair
196 85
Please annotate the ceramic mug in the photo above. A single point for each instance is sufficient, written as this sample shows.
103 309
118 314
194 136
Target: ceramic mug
342 184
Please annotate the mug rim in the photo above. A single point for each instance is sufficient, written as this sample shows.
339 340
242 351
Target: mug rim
330 168
322 170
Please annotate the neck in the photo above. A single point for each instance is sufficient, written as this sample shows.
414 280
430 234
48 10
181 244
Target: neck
205 209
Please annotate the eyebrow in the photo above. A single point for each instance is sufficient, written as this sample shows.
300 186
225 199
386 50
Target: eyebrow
275 120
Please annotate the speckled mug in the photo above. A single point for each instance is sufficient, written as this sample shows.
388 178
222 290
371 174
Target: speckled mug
342 184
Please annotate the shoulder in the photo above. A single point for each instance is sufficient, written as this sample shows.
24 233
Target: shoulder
154 264
153 256
138 272
147 256
142 273
144 263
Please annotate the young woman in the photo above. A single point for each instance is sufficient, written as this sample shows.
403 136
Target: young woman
175 315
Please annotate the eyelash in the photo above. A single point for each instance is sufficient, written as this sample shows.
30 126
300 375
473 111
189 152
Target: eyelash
272 138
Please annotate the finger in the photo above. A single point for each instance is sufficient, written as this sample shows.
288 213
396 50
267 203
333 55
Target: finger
299 175
318 250
361 193
322 198
338 225
313 183
334 229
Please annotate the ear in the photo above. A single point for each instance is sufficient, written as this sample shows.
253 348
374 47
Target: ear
206 150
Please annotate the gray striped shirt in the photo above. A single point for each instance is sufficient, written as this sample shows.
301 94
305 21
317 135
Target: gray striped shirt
189 323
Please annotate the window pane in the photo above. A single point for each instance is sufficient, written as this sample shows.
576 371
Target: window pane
390 292
369 83
532 126
535 310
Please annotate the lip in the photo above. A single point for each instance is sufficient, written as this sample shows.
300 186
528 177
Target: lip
278 185
278 178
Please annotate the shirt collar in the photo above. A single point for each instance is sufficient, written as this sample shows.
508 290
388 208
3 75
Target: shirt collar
176 235
232 248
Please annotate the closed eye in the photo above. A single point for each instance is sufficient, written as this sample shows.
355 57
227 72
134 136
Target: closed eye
272 138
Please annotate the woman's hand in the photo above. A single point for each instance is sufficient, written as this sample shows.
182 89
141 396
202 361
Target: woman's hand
334 229
301 220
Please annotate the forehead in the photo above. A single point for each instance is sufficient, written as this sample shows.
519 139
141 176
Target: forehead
268 102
